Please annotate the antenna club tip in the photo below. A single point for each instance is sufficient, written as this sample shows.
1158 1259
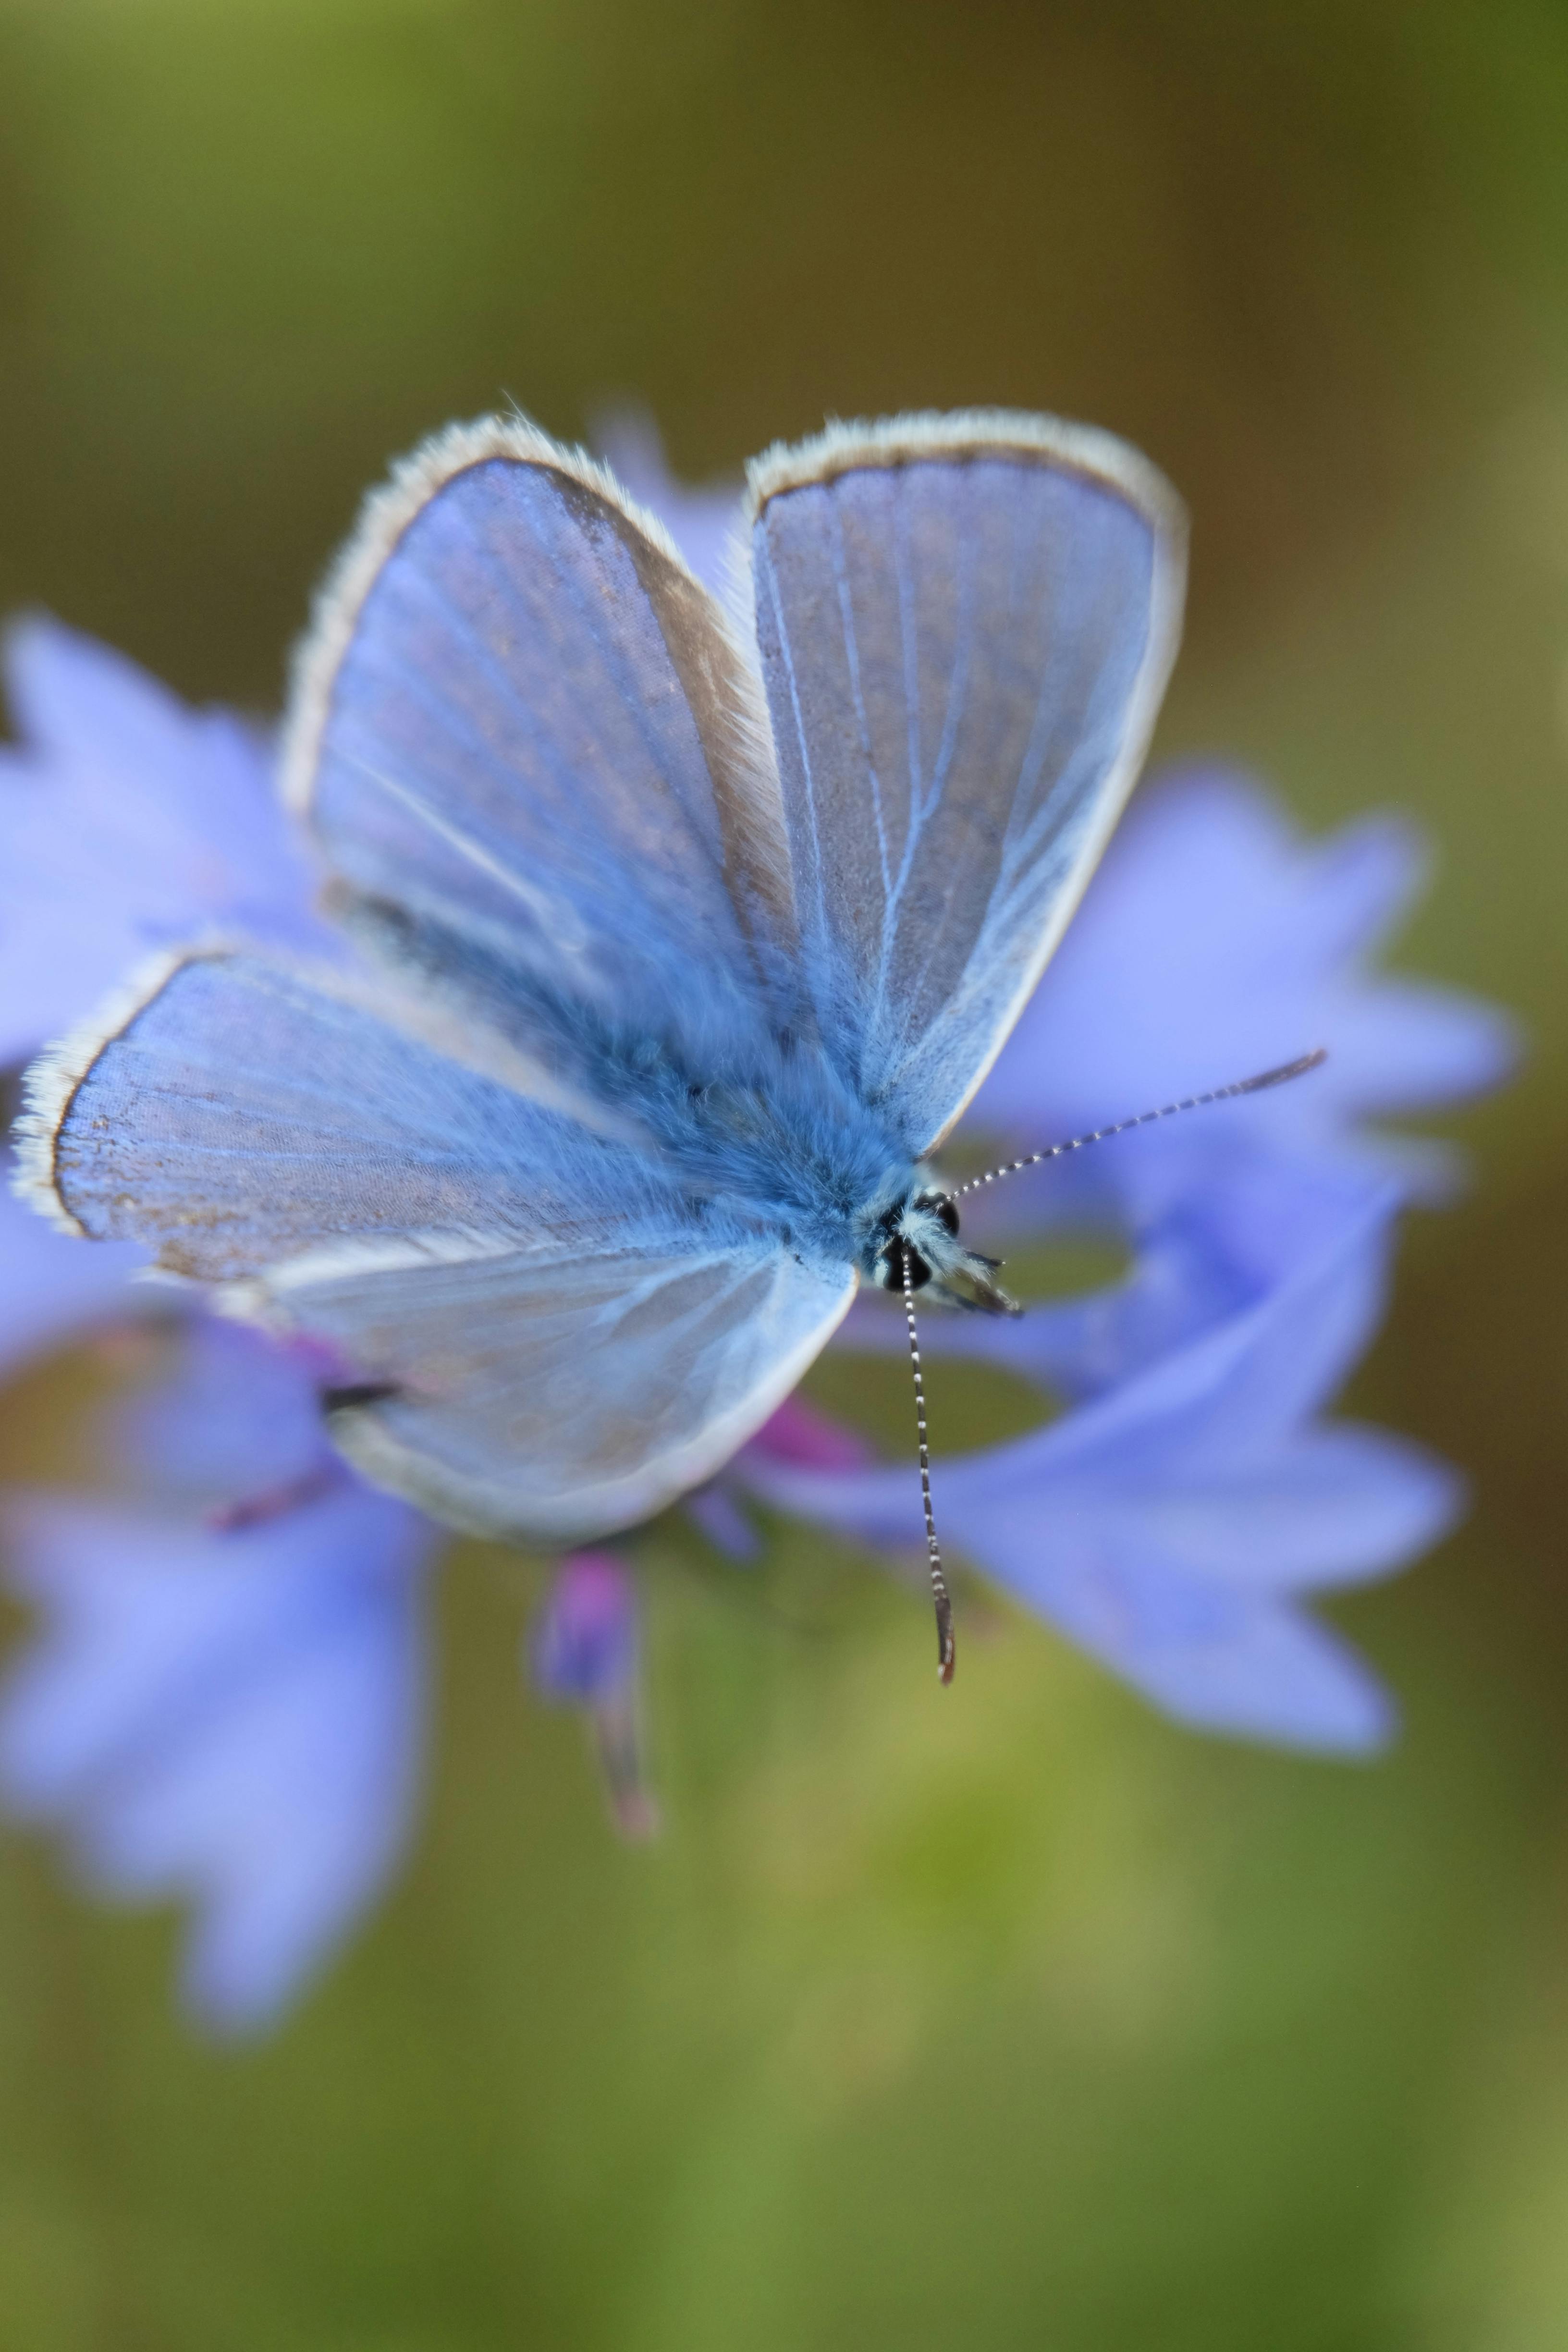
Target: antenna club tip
1286 1072
945 1645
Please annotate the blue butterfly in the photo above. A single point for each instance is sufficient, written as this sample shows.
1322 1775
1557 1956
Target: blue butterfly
689 935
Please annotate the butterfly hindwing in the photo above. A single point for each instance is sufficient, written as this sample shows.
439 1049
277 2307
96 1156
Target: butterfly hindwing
964 624
561 1394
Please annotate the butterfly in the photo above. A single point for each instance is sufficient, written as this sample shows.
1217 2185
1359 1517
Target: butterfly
687 931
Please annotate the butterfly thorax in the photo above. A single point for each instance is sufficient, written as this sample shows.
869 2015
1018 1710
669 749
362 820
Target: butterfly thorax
761 1121
802 1149
778 1135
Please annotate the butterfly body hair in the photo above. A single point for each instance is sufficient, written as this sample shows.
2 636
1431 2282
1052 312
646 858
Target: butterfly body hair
759 1124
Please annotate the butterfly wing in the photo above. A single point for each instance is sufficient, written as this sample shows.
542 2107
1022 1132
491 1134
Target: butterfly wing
965 624
533 1330
539 1391
536 760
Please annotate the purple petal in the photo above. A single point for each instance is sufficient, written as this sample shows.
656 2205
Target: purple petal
1331 1507
238 1416
584 1643
1414 1046
1284 1269
799 1432
715 1511
1211 1254
1212 943
53 1288
128 823
1161 1525
1227 1663
236 1719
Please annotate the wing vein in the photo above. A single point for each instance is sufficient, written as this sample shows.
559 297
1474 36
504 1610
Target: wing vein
769 580
571 939
852 658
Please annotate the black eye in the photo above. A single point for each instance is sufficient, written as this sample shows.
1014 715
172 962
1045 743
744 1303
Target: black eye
943 1210
890 1268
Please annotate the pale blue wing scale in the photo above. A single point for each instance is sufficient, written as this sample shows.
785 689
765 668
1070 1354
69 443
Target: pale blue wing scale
548 1393
524 737
964 626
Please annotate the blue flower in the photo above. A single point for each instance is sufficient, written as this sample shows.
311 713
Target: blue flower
225 1705
1170 1525
1211 943
1211 1252
223 1697
51 1289
127 823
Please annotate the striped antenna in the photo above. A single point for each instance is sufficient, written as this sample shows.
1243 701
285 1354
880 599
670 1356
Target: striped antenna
1260 1085
939 1593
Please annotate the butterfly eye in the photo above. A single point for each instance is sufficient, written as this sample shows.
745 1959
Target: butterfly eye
943 1208
891 1267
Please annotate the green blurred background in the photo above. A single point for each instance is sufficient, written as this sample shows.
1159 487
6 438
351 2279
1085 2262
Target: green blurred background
1019 2020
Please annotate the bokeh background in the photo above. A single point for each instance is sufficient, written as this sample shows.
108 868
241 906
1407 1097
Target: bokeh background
1022 2021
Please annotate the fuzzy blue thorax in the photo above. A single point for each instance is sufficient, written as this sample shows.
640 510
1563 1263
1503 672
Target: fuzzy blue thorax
791 1146
786 1142
781 1139
761 1123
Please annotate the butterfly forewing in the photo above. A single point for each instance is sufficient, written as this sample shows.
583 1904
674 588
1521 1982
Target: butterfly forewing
523 735
964 626
240 1114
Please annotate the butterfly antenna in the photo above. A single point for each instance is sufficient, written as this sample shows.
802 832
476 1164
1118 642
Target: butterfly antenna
1260 1085
938 1591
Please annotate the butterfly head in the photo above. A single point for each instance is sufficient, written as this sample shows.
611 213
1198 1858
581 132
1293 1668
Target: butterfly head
921 1230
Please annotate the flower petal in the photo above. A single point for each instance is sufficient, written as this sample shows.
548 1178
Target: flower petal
1213 944
1226 1662
127 823
1164 1525
238 1415
584 1642
53 1288
236 1719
